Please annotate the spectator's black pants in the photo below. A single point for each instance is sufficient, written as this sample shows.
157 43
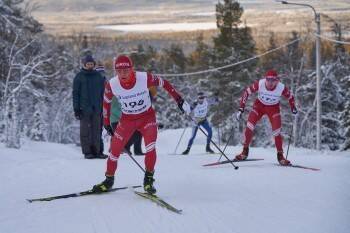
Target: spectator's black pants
90 133
135 139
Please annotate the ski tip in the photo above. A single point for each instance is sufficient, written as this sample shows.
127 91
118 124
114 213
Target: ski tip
29 200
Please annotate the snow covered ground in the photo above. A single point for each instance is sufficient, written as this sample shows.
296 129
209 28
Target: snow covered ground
259 197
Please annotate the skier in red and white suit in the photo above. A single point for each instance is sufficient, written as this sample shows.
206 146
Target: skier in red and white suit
270 90
132 90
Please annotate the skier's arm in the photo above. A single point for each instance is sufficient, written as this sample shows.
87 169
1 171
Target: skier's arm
251 89
153 80
288 95
156 81
107 100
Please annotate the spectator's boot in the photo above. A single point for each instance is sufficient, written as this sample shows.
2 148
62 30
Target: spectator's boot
89 156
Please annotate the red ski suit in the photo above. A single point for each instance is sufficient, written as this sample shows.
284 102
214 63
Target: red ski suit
137 114
268 102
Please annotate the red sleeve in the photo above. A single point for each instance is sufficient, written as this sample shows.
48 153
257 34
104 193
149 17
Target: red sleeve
286 93
107 99
251 89
156 81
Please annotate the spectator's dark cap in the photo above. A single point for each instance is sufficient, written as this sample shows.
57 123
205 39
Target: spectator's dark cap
88 58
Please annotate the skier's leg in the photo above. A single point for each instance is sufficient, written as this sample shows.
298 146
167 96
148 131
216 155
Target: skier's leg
254 116
148 129
275 120
121 135
207 127
190 142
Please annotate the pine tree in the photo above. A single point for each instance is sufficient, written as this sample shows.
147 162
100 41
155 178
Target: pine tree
232 44
172 61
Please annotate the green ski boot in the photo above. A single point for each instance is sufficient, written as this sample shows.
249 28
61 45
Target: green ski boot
106 185
148 183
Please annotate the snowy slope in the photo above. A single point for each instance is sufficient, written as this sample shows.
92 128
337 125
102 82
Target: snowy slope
259 197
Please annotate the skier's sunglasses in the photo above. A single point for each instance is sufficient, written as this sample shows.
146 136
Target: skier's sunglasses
201 98
271 80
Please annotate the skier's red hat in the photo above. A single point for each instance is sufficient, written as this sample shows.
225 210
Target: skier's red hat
271 74
123 62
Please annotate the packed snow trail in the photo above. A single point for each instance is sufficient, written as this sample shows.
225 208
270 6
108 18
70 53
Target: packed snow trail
259 197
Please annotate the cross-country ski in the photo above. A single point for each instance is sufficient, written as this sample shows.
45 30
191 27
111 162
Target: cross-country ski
165 116
79 194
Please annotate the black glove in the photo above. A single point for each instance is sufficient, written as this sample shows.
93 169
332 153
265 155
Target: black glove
184 106
294 110
109 130
77 114
238 114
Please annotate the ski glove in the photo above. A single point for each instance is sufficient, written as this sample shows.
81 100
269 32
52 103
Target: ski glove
109 130
239 113
77 114
184 106
294 110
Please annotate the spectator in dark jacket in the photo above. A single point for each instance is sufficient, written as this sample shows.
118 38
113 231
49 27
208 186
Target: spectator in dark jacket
88 88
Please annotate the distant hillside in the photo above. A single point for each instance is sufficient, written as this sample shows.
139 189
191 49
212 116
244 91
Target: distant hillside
127 5
68 16
113 5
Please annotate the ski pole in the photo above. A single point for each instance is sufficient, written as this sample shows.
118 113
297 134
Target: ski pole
231 133
183 132
236 167
137 163
289 140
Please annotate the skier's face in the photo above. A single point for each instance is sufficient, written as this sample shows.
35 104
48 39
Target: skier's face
89 65
124 75
200 100
271 83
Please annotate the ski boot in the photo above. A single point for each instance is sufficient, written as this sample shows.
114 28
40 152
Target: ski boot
89 156
209 150
243 155
186 151
148 183
101 156
282 160
104 186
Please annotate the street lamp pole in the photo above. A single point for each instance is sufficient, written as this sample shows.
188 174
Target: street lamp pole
318 71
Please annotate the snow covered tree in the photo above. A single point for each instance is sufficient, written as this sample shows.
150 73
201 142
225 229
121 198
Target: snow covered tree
345 115
21 61
172 61
39 129
232 44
